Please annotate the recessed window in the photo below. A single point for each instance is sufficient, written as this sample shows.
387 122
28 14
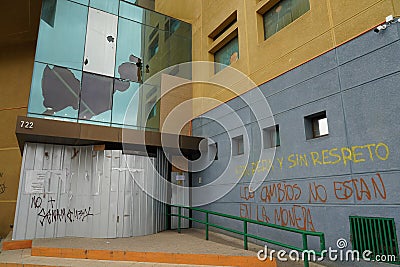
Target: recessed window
316 125
271 137
237 145
227 55
282 14
224 26
213 151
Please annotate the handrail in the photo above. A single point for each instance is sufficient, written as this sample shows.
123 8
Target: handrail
245 233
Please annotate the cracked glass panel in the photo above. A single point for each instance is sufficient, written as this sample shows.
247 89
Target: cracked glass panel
55 91
96 98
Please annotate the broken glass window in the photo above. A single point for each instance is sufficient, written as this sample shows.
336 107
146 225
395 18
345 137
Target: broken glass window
55 91
96 97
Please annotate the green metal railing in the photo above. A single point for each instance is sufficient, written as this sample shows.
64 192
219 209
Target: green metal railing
304 234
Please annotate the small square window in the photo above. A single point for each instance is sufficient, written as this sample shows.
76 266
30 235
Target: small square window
237 145
271 137
316 125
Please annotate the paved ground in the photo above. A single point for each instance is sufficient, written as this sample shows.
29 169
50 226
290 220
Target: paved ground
188 242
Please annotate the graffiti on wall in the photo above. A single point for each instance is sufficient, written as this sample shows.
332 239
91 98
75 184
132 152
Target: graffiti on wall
290 199
334 156
50 213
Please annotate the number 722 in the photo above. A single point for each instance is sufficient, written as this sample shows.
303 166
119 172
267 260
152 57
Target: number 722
27 124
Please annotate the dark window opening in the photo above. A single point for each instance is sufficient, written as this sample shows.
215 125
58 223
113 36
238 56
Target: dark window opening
271 137
213 151
316 125
237 145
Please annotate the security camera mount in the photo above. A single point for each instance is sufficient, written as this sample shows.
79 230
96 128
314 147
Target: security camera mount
389 21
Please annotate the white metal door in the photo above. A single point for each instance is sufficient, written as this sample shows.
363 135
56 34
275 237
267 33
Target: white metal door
77 191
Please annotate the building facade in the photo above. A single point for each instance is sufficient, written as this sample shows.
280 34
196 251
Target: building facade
325 150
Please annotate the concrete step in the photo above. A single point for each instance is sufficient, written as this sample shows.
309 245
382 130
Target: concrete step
188 248
23 258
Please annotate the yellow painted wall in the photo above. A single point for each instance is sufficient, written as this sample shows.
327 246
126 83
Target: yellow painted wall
328 24
184 10
16 65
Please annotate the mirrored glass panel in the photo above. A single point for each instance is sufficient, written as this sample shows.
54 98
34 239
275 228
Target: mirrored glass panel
130 11
62 31
55 91
149 4
156 51
110 6
126 110
129 58
83 2
145 16
174 26
181 49
96 98
91 61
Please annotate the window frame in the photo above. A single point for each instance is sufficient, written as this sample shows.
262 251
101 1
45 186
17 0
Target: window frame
238 145
309 125
271 137
269 6
219 66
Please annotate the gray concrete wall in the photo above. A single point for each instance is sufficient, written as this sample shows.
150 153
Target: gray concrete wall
358 85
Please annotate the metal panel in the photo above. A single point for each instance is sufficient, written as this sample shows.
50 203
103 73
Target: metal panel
180 196
88 193
100 42
377 235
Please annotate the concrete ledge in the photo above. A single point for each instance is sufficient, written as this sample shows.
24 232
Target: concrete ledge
9 244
